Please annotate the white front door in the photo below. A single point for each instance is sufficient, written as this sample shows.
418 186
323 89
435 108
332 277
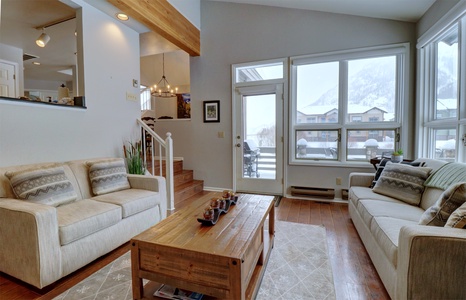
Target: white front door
258 139
7 80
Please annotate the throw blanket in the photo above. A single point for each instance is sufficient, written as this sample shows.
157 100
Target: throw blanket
447 175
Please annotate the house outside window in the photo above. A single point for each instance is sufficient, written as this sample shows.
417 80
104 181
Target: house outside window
356 96
442 131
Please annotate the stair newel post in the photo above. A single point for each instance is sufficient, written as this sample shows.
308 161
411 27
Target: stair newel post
169 172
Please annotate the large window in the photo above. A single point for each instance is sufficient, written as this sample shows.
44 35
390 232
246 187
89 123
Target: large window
441 101
347 106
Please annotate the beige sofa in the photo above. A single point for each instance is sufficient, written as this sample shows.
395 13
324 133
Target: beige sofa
413 261
45 240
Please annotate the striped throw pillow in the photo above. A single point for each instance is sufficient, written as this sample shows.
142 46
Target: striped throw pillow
108 176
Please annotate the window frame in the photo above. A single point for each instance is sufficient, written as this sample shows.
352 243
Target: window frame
402 53
428 122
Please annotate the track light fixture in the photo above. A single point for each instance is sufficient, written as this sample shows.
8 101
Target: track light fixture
42 40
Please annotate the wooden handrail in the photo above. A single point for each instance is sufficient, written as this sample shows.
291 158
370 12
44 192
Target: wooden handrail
165 154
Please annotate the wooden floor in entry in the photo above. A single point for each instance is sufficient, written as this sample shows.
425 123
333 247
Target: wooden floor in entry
353 272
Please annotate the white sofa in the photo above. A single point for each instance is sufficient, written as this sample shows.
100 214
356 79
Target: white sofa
42 241
413 261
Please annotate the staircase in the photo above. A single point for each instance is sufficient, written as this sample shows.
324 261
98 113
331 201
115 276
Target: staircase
185 184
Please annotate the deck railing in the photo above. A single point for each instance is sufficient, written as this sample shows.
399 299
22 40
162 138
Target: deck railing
162 151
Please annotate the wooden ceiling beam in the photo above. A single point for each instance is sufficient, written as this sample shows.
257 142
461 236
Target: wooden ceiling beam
161 17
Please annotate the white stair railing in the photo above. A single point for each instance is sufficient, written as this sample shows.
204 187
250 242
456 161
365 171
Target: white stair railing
161 150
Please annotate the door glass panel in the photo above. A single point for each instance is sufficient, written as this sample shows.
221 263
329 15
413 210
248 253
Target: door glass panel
259 147
259 72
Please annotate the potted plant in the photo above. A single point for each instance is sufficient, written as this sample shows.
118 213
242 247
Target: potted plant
397 156
134 158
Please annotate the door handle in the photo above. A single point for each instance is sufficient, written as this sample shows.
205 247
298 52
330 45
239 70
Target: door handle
238 145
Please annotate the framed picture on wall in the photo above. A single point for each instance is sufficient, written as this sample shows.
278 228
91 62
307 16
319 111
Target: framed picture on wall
211 111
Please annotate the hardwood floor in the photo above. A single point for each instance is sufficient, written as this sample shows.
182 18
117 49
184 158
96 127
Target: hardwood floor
354 275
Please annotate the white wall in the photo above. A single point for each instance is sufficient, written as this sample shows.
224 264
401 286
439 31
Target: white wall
190 9
235 33
433 14
39 133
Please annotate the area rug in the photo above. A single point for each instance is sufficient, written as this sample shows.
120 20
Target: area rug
298 268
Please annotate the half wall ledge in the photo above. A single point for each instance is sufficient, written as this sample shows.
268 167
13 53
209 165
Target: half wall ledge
79 103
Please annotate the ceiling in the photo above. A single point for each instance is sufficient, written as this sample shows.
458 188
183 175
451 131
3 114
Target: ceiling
402 10
21 17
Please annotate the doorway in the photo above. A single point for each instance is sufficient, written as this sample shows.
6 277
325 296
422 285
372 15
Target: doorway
258 139
7 80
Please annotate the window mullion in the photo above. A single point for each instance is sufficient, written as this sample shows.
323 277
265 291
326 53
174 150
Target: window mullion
343 108
462 71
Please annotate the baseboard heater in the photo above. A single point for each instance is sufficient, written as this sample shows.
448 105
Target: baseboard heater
313 192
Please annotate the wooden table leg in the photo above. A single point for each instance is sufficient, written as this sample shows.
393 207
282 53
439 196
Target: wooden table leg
272 221
138 287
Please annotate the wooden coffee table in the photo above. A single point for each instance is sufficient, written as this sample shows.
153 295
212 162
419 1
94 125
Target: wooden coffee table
225 261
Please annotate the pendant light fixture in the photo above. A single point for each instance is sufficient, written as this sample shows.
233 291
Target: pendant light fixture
162 88
43 39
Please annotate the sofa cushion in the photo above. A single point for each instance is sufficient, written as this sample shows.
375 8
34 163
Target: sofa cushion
458 218
85 217
357 193
48 186
132 201
108 176
369 209
403 182
449 201
429 197
386 231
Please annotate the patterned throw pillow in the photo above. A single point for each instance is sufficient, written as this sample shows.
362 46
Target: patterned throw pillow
108 176
458 218
46 186
402 182
439 213
382 164
379 171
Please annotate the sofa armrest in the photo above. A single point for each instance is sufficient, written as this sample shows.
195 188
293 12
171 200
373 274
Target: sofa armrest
30 246
151 183
361 179
431 263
